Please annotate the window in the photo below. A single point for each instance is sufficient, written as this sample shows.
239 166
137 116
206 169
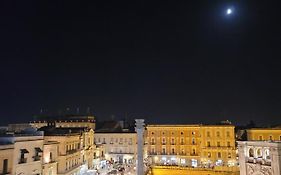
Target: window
22 156
51 157
173 151
193 132
163 151
218 144
182 151
219 154
153 151
227 134
209 155
152 141
182 141
193 141
181 133
5 166
163 141
260 138
229 155
259 153
251 152
270 138
163 133
208 134
173 141
152 133
279 137
228 144
208 144
193 151
218 134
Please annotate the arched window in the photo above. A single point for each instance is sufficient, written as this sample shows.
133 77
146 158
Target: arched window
251 152
259 153
218 134
267 154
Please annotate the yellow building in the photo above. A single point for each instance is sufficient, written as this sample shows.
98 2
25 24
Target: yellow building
191 145
264 134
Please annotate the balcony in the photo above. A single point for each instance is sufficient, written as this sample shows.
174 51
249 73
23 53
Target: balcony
36 158
22 160
163 143
72 151
152 143
152 153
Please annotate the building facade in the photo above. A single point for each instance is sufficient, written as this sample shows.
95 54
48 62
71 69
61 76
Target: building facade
191 145
26 152
66 121
50 158
75 148
118 147
259 157
264 134
6 158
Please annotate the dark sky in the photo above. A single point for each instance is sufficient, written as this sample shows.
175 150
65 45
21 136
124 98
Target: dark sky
169 62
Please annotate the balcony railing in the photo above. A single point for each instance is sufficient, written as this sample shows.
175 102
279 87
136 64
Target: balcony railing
22 160
36 158
72 151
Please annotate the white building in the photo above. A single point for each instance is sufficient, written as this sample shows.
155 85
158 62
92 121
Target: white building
259 157
119 147
27 152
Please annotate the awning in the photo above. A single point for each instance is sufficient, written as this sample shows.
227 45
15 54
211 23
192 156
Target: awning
39 150
24 151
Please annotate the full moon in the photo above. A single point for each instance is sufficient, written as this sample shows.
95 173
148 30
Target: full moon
229 11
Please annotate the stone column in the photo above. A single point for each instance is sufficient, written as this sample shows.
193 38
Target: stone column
140 130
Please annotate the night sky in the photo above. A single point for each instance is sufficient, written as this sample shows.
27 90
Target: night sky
168 62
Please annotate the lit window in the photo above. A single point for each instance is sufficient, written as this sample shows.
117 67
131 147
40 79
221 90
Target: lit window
209 155
219 154
229 155
227 134
218 134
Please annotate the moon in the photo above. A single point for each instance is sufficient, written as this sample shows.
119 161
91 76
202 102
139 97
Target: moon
229 11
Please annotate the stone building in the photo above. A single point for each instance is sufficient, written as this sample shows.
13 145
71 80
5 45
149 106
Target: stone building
259 157
6 158
50 158
191 145
264 134
75 148
117 141
26 149
65 121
